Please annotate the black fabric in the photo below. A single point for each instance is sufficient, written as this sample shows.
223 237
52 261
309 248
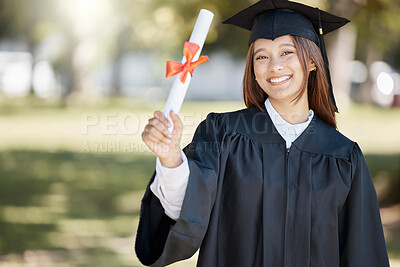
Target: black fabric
279 22
250 202
245 19
154 228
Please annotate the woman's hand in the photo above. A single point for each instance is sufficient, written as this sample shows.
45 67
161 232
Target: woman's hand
161 142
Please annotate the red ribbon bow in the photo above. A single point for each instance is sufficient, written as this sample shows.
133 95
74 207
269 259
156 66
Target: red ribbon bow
189 50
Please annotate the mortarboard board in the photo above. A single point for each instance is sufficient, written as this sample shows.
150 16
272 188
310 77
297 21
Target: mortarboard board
271 19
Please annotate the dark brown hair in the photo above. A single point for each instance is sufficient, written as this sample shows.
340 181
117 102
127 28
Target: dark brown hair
316 83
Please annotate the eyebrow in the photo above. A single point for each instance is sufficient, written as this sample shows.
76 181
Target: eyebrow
286 44
281 45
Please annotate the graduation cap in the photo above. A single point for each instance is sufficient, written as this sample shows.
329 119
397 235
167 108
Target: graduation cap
270 19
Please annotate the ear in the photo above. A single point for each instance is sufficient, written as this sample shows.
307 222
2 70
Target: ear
312 66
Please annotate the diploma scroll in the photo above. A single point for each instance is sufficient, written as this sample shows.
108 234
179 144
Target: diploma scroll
178 89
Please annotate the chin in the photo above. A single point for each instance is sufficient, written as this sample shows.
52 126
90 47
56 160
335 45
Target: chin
279 96
282 94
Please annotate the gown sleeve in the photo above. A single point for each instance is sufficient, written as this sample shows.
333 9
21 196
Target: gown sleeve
160 240
169 186
361 238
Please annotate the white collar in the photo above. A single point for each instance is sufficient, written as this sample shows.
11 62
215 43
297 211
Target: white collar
288 131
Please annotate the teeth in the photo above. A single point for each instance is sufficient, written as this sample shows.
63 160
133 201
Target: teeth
281 79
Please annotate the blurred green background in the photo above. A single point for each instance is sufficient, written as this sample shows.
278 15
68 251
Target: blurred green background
79 80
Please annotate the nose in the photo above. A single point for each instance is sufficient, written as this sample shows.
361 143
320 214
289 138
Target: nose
276 64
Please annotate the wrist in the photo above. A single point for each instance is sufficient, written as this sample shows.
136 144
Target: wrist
172 161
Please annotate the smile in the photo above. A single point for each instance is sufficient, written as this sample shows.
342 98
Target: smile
280 79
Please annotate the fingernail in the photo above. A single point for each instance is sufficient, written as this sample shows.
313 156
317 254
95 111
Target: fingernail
168 141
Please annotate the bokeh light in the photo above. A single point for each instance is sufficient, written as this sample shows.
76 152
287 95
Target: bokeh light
385 83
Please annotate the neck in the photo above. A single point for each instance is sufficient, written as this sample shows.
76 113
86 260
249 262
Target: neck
292 112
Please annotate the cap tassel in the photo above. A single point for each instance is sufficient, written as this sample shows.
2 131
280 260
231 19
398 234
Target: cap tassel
325 57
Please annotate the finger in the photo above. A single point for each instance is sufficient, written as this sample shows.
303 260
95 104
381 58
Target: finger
159 115
178 126
153 131
154 141
160 127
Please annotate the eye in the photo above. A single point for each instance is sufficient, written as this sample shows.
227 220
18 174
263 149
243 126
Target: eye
261 57
287 53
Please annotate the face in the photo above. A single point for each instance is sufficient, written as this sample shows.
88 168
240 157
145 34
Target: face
278 69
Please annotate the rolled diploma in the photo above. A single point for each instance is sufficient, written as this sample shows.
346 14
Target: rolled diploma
178 89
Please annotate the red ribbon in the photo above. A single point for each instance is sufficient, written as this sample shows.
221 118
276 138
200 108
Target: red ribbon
189 50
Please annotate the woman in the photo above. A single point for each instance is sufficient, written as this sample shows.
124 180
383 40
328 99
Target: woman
271 185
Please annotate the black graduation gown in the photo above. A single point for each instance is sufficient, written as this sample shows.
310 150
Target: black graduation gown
250 202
